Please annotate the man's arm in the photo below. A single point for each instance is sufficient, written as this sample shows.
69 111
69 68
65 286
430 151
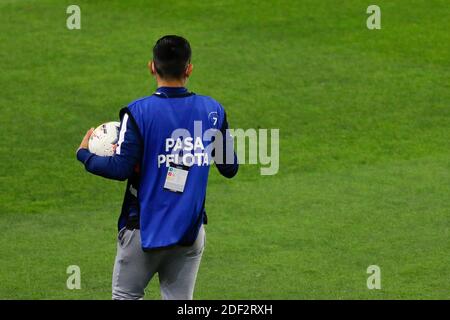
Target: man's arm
226 167
120 166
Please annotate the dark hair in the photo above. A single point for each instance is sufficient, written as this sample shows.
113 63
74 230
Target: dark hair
171 55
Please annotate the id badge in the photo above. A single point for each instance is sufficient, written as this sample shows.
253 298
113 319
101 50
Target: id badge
176 177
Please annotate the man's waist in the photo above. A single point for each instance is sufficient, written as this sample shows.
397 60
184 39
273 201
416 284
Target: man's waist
132 223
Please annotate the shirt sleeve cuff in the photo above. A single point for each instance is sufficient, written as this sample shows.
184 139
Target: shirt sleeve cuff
83 155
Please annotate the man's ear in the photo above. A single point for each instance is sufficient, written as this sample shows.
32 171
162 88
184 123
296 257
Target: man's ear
189 69
151 67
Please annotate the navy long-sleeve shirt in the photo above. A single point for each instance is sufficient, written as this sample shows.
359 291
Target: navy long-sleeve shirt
120 166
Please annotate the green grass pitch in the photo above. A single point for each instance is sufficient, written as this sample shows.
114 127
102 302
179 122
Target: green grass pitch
364 144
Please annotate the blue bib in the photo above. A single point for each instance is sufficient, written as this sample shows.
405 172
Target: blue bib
176 128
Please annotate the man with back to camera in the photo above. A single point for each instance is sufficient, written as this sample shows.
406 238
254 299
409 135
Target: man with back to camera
165 146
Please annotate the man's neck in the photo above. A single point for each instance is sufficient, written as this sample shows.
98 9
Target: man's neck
171 83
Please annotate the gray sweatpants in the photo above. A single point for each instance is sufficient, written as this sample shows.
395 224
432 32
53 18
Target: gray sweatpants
176 266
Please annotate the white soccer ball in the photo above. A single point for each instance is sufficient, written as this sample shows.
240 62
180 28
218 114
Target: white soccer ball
103 139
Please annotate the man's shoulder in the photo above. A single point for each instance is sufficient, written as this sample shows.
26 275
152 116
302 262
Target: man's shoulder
140 101
210 101
207 98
